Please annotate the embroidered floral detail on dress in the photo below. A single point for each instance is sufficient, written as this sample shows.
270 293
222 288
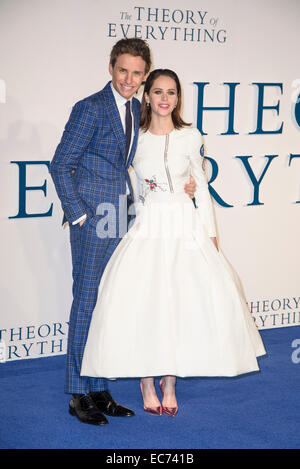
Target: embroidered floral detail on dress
151 185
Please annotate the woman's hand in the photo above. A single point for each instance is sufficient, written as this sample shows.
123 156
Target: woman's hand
190 188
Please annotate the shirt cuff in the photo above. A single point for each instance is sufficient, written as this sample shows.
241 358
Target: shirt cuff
79 219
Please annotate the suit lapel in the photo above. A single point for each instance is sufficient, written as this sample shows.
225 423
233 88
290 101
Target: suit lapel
136 115
114 117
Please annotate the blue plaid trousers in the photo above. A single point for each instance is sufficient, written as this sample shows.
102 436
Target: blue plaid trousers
90 255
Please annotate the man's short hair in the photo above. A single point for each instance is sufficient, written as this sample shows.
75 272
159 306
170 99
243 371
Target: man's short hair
133 46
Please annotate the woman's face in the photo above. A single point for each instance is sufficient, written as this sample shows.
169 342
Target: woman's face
162 96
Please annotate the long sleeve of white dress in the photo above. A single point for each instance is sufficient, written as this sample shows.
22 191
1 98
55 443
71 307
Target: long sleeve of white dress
202 195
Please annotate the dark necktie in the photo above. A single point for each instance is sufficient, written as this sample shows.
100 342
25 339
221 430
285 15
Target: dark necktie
128 127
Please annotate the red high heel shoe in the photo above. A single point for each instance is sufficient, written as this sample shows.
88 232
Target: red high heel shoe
151 410
170 411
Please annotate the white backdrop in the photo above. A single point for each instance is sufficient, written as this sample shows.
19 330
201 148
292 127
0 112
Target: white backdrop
54 53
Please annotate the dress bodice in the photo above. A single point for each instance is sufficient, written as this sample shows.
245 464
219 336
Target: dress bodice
166 162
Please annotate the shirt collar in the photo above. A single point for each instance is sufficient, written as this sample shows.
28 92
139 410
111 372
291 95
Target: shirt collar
120 100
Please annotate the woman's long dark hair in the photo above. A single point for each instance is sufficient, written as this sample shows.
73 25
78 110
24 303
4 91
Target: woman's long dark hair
146 110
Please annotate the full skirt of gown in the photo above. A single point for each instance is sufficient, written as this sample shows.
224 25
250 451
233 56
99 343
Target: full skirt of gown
169 302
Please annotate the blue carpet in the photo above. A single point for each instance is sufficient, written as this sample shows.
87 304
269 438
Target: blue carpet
258 410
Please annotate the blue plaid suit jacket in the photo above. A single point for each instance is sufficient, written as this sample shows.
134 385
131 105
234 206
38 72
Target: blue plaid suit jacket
93 144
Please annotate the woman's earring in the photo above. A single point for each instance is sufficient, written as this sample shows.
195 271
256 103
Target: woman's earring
147 104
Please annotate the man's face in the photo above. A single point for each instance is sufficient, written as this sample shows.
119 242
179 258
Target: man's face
128 74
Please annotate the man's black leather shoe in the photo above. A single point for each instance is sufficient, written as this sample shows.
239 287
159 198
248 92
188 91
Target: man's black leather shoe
85 409
106 404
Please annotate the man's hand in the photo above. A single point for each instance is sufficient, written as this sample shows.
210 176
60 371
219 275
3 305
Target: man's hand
82 221
190 188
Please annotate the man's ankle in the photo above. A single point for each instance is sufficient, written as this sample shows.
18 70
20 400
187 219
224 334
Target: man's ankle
77 396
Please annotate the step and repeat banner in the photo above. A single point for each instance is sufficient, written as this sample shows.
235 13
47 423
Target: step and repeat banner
239 68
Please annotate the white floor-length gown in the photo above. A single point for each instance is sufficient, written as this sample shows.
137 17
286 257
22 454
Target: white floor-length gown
169 303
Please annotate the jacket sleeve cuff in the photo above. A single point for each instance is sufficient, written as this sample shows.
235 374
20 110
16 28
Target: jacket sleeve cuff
74 213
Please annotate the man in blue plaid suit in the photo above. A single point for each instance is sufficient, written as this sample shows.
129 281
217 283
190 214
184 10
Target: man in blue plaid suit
90 173
89 169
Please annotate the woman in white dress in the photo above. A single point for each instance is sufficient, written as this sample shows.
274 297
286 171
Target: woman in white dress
169 303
